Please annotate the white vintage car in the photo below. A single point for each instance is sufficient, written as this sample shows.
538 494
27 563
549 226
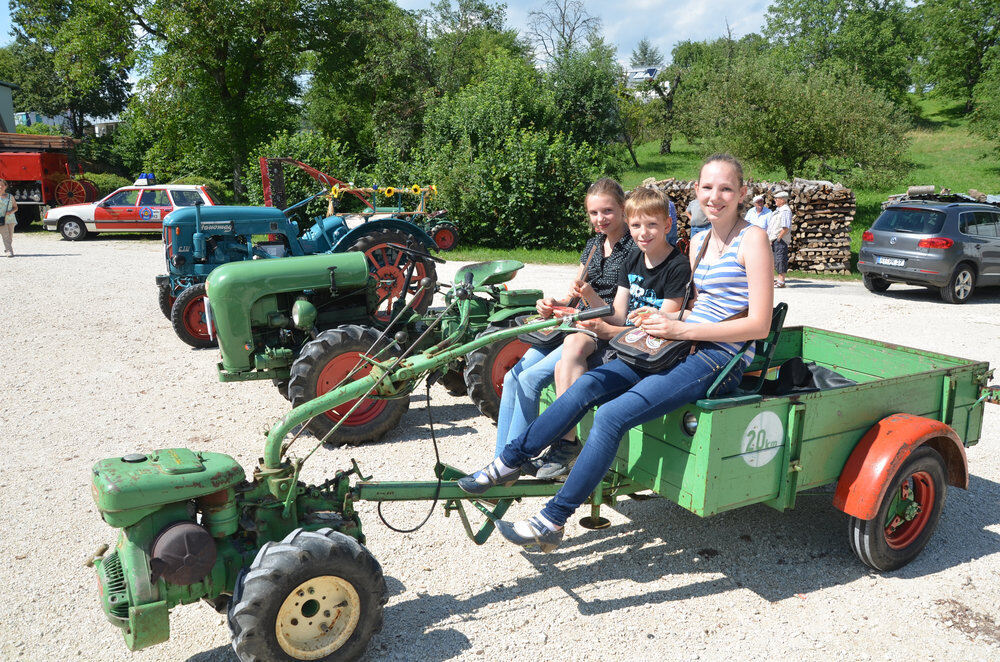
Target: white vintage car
129 209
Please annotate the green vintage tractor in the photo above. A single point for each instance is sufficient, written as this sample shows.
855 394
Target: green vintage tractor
304 322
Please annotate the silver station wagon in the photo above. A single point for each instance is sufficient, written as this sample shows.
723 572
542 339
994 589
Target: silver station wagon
942 242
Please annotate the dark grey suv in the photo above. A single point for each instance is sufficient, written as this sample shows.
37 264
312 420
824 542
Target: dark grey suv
942 242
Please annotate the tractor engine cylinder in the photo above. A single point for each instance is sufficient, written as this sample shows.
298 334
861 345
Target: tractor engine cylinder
219 514
183 553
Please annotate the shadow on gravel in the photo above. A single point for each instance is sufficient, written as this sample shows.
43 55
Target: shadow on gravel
220 654
796 284
18 256
980 296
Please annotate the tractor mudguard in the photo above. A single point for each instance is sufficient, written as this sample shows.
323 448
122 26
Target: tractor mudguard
875 460
349 239
510 313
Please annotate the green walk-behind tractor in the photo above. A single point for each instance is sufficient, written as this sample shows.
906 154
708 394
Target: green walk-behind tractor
287 563
303 322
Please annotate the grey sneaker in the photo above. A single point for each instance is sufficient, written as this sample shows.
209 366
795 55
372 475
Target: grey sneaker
491 476
556 461
538 535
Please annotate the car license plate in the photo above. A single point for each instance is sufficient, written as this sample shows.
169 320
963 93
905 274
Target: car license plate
890 261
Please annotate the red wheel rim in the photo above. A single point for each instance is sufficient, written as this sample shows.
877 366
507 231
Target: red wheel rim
506 359
195 322
332 375
444 238
70 192
917 490
389 267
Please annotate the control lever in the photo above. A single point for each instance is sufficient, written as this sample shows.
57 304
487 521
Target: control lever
591 313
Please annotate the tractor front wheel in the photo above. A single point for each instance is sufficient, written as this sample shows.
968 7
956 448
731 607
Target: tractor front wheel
389 267
166 300
316 595
323 365
453 381
445 235
485 369
907 516
190 318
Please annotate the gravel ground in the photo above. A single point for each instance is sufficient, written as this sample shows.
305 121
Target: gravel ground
93 370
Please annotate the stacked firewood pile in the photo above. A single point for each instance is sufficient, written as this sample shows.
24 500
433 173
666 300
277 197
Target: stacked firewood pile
822 213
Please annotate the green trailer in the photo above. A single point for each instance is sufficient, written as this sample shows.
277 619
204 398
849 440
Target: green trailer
286 561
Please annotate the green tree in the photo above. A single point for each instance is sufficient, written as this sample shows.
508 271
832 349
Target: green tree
877 38
985 118
646 55
961 43
824 122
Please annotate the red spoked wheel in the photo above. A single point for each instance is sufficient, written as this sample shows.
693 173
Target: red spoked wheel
907 515
189 317
445 235
330 361
486 368
390 265
89 188
70 192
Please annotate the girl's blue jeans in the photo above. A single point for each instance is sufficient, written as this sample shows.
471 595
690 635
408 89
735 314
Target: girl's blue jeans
522 391
625 398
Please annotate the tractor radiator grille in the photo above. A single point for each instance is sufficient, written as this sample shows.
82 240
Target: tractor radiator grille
114 586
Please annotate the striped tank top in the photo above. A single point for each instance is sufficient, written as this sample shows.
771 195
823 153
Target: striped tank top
722 290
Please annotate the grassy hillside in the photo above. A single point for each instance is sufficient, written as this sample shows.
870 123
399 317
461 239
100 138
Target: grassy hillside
942 153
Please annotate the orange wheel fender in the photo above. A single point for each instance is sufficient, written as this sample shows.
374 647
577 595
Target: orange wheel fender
875 460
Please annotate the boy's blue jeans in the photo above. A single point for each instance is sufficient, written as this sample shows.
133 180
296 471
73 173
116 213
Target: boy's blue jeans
522 391
627 397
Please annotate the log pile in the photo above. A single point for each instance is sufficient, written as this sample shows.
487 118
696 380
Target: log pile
822 213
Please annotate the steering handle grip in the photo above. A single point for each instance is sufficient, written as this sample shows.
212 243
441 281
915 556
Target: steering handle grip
591 313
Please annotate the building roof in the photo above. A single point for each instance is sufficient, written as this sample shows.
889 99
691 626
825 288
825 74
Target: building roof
10 85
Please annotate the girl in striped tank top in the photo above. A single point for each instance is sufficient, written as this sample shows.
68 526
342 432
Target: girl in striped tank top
733 305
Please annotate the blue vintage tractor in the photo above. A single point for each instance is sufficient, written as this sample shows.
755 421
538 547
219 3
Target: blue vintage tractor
199 239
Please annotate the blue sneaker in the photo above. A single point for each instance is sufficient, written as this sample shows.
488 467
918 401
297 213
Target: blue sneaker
486 478
530 534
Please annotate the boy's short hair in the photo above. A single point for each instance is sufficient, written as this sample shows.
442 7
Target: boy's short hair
644 201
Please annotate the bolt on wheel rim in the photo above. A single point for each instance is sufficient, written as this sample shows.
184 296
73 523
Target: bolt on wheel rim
318 617
963 284
910 510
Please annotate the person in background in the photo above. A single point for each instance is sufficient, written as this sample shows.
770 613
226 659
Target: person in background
8 205
758 214
697 221
779 231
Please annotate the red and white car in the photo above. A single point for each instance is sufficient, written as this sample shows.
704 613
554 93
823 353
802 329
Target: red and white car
129 209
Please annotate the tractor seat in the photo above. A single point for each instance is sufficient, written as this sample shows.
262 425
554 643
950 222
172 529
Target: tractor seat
493 272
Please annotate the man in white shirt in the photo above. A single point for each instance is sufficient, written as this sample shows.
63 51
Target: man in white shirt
779 230
697 221
758 213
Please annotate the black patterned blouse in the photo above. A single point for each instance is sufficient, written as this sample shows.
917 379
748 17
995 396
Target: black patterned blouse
602 274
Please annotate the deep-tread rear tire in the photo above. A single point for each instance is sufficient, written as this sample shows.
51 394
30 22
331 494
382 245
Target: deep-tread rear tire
453 381
322 365
880 545
387 263
165 299
485 369
268 600
961 285
188 317
874 283
73 229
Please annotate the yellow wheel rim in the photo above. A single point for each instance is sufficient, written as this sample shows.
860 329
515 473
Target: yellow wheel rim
416 189
318 617
389 192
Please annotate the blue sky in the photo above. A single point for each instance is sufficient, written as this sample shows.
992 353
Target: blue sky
625 21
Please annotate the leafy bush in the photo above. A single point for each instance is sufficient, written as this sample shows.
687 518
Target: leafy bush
106 183
221 193
526 191
39 129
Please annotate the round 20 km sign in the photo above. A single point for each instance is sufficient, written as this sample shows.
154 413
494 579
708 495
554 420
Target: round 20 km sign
762 439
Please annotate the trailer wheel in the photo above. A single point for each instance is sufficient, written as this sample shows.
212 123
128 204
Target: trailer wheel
445 235
322 365
453 381
874 283
166 300
316 595
907 516
485 369
73 229
389 267
189 319
961 285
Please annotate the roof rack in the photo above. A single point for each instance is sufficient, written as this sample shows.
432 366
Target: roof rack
936 197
